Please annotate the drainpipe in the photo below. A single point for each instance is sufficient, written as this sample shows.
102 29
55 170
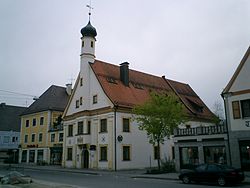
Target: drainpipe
115 110
225 97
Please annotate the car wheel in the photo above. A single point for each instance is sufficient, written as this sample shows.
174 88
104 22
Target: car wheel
185 179
221 181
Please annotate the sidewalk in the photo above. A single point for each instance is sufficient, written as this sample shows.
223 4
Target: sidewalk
141 173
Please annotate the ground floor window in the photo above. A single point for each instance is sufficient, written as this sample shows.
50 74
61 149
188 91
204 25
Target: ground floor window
189 157
103 153
126 153
32 156
24 156
245 154
56 155
213 154
69 154
39 156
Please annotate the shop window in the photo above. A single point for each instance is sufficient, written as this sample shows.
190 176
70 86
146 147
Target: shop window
126 153
24 156
245 154
214 154
32 156
189 157
39 156
103 153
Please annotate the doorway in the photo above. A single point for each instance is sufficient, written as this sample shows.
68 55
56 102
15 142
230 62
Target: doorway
85 158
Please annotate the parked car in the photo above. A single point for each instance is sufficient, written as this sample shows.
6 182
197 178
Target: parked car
217 173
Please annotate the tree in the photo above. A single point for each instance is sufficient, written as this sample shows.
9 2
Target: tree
158 116
218 111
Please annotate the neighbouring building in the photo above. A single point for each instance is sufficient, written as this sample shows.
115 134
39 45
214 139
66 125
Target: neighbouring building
10 124
98 122
236 97
41 127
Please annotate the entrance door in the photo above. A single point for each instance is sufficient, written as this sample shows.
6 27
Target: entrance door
245 154
85 158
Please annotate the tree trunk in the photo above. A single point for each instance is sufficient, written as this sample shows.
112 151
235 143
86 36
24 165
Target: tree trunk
158 155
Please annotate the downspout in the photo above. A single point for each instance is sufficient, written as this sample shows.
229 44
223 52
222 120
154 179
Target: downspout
115 110
227 124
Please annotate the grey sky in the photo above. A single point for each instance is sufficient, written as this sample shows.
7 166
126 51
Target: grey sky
199 42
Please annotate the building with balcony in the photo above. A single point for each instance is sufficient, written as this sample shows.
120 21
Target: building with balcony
99 128
10 124
41 127
236 97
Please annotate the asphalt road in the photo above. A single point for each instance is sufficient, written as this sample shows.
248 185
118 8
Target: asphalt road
106 180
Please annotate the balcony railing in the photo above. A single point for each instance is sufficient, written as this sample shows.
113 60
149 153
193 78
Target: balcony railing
209 130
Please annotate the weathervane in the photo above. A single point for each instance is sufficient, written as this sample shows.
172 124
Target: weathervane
90 7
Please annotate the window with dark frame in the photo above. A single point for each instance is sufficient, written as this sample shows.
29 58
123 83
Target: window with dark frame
103 153
125 125
245 108
34 122
94 99
70 130
103 127
33 137
41 120
27 123
89 127
81 81
69 154
126 153
82 43
60 137
52 137
26 138
77 103
236 109
92 44
80 100
80 127
40 137
156 152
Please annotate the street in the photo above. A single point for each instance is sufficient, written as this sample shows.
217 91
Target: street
105 180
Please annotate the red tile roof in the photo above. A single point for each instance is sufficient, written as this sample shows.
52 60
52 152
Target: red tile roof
140 86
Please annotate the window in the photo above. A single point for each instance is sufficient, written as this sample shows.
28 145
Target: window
89 127
92 44
80 100
26 138
33 137
39 155
189 157
214 154
52 137
125 125
103 127
82 43
34 122
32 156
126 153
41 120
24 156
156 152
60 137
77 103
81 81
6 139
69 154
13 139
27 123
40 137
245 107
70 130
94 99
103 153
80 127
236 109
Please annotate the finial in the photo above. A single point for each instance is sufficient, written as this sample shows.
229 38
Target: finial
90 7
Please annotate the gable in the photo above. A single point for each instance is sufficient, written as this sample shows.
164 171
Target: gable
83 95
241 77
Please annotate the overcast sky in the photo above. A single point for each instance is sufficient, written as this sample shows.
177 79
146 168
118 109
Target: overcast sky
198 42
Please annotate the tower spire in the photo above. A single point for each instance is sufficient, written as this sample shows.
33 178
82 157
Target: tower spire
90 8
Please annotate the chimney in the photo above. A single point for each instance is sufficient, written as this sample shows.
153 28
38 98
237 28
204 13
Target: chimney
124 73
69 89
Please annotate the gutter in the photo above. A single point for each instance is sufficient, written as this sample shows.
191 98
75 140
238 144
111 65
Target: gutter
115 110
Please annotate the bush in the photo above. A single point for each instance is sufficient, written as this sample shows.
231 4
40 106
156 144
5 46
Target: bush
168 165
